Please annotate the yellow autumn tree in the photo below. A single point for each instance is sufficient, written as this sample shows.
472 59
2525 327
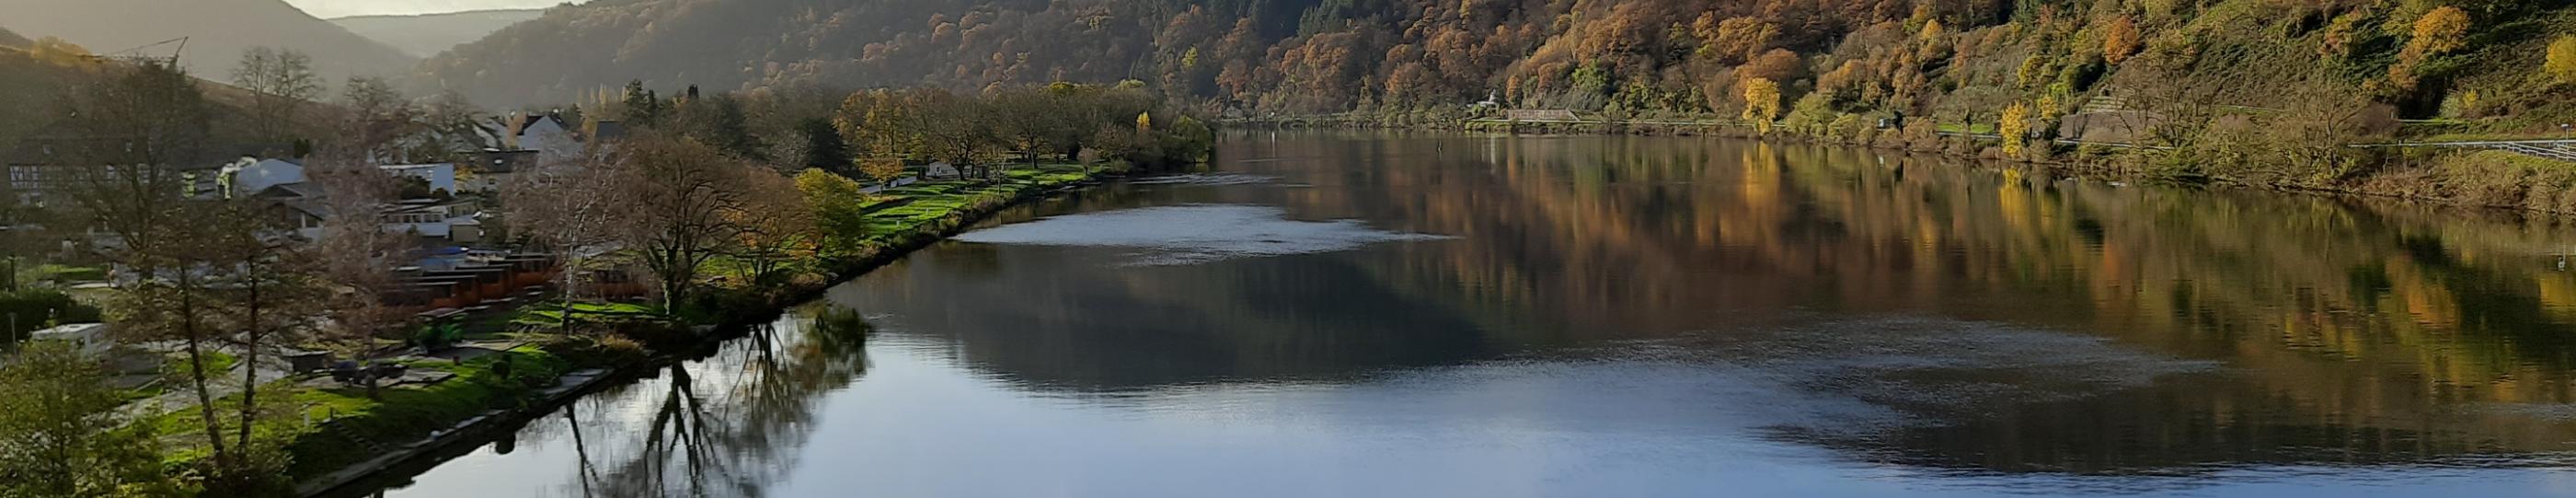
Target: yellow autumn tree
2562 60
1761 103
55 51
881 169
2439 32
2015 126
2119 39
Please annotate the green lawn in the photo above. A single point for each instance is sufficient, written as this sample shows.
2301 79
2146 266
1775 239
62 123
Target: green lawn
402 415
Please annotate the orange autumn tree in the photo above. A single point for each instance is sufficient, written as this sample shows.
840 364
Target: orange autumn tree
2119 39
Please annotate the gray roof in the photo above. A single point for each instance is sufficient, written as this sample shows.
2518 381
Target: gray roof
608 129
297 190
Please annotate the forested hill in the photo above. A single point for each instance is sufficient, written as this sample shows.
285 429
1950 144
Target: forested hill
9 39
217 31
1882 57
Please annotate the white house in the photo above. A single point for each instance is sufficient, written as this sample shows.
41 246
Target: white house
456 220
548 135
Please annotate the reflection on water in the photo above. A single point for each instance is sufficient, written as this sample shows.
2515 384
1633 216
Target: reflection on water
1626 316
1178 235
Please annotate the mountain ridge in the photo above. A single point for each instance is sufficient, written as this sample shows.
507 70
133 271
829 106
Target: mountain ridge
217 31
425 35
1951 59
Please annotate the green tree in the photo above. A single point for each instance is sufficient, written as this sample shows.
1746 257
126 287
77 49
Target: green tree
1811 114
719 122
824 148
838 210
60 434
642 106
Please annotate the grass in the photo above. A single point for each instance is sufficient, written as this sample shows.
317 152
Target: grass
403 414
900 211
217 362
62 273
551 313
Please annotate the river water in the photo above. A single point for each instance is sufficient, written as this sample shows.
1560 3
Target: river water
1408 315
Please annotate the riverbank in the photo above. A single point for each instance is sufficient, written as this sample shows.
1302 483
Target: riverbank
360 437
2483 179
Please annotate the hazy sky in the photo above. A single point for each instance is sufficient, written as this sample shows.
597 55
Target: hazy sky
327 9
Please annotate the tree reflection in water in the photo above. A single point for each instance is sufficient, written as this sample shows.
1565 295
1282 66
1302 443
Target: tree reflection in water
728 424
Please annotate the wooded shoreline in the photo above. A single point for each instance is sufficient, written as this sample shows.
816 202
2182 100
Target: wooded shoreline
2472 179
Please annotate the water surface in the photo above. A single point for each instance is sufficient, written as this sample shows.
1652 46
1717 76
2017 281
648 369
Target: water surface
1344 314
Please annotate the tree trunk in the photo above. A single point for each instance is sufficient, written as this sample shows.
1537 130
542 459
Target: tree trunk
197 372
250 368
572 264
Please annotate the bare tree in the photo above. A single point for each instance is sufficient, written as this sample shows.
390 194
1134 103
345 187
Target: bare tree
569 207
281 82
773 225
360 272
125 175
262 287
451 121
377 119
677 195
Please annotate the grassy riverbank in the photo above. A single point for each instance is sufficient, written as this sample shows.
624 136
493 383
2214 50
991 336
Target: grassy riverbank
330 433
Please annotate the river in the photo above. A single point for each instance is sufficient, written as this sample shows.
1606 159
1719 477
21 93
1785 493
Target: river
1423 314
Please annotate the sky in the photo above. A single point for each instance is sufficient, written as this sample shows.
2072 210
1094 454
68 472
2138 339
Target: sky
327 9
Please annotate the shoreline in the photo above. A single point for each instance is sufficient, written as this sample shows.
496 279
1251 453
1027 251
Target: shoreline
2400 176
464 436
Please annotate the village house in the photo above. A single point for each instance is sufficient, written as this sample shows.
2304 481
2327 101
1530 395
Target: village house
548 135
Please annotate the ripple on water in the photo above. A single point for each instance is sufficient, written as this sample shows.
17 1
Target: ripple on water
1191 234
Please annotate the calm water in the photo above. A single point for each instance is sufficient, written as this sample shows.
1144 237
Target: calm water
1337 314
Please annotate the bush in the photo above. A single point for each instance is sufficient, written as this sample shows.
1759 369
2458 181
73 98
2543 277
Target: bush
38 309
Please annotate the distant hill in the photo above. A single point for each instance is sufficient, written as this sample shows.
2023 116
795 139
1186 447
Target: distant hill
29 86
218 31
427 35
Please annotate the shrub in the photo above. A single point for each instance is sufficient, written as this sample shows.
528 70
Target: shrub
31 310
